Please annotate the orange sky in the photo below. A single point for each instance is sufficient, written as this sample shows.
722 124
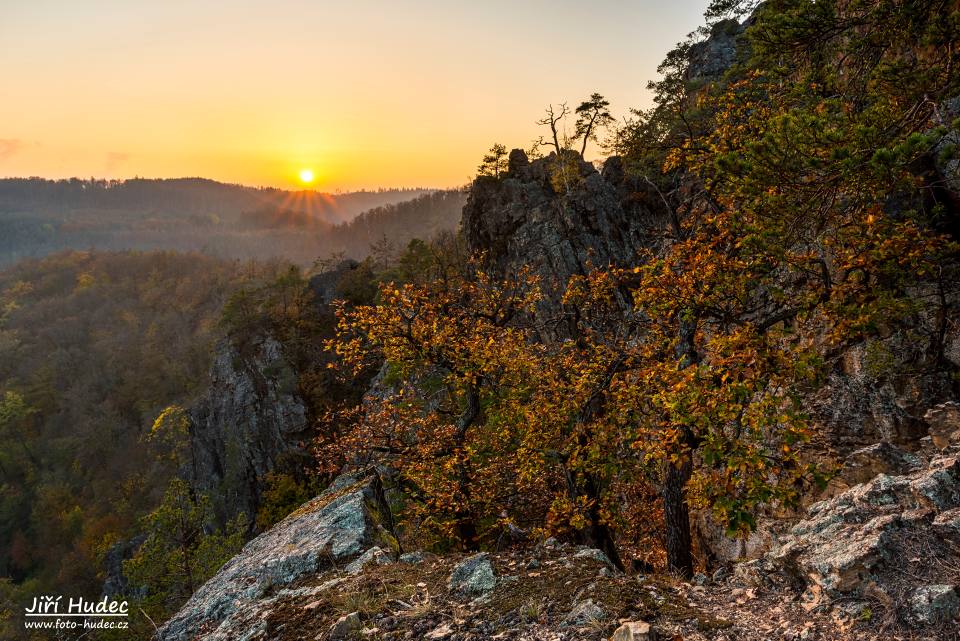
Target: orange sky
366 93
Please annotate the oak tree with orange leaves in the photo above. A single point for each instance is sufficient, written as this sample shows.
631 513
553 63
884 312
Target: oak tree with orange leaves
462 341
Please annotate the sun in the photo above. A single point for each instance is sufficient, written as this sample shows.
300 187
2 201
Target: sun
306 176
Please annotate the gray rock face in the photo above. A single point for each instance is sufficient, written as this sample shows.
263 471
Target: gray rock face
862 534
949 168
474 575
329 531
935 603
250 418
115 583
876 392
710 59
601 218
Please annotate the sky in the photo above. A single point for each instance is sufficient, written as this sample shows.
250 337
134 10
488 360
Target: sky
365 93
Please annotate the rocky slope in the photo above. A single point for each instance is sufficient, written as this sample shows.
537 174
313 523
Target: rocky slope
349 518
878 559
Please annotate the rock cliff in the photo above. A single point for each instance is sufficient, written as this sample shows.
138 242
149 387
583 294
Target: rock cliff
249 420
600 218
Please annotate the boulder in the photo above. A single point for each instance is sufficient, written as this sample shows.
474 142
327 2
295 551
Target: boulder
328 532
346 627
944 423
932 604
413 558
375 555
474 575
862 536
634 631
593 554
585 612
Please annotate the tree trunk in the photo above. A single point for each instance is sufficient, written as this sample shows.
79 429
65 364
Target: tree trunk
464 525
601 536
676 516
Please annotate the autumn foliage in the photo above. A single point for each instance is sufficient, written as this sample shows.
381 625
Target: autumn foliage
805 218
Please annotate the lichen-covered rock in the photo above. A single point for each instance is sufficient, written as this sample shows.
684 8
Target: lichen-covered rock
346 627
376 554
849 540
935 603
412 558
474 575
595 554
584 612
329 531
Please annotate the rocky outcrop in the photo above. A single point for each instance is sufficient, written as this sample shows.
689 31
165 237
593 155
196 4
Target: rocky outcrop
249 420
892 535
711 58
351 516
326 285
115 582
867 463
881 390
559 228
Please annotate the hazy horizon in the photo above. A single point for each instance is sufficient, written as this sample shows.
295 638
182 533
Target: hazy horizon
365 96
292 188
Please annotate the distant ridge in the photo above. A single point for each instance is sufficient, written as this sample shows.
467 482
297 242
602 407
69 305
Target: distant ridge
39 217
187 196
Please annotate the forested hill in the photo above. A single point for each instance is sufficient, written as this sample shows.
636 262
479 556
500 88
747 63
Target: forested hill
40 217
423 217
186 196
92 347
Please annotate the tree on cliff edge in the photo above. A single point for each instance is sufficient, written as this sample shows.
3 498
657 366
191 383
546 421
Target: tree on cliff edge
806 229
